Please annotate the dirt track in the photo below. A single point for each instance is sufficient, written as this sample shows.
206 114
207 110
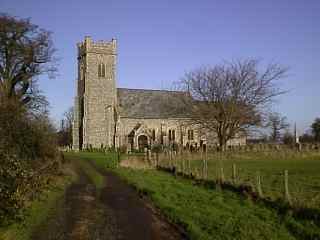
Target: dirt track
115 212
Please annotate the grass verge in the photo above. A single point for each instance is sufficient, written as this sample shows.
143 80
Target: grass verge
213 214
303 168
209 213
39 210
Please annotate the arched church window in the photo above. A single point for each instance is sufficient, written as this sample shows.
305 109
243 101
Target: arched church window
190 134
153 134
103 72
99 70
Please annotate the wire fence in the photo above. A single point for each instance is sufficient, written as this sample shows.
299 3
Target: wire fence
290 176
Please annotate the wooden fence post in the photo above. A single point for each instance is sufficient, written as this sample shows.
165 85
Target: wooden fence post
189 164
234 173
286 187
203 165
183 163
206 161
149 155
180 157
178 161
222 175
157 159
259 189
118 159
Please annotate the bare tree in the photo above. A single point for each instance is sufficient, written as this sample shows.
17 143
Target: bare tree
288 138
65 132
231 97
26 51
68 116
315 126
277 124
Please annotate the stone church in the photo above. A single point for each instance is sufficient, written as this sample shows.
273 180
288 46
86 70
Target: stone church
107 116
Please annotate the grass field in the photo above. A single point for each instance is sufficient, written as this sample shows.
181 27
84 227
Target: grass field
303 169
208 213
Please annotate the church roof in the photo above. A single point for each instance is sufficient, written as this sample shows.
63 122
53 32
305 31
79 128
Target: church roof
145 103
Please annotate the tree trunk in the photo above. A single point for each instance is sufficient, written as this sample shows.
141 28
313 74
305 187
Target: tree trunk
222 143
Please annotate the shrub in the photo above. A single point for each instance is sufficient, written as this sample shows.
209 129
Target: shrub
14 181
157 148
27 143
123 149
174 146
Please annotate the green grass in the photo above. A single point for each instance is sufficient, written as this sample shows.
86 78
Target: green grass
303 168
94 176
38 211
104 160
212 214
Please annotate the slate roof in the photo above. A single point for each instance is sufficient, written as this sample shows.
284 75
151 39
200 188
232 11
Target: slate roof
144 103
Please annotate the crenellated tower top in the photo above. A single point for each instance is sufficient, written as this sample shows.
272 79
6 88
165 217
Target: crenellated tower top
98 47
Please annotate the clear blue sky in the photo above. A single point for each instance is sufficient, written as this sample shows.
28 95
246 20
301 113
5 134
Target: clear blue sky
159 40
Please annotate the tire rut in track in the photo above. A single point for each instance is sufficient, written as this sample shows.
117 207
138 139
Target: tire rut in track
116 212
79 215
135 219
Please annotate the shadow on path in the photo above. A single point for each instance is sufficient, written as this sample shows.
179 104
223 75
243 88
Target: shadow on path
134 219
115 212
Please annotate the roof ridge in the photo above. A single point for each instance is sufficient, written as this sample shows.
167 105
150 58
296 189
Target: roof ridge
144 89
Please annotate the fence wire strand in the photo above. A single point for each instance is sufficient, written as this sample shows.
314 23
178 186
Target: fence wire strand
217 167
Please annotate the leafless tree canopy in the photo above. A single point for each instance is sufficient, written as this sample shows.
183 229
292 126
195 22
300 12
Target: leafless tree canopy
26 51
277 124
231 97
65 131
315 127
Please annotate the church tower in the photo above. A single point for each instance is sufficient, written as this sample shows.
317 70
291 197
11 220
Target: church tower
95 103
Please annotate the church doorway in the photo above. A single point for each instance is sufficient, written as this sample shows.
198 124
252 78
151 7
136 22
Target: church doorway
142 142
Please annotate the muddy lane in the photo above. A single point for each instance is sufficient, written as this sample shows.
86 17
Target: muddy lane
115 212
79 215
134 219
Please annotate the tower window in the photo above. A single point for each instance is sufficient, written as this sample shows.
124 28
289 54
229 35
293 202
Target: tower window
103 74
101 70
